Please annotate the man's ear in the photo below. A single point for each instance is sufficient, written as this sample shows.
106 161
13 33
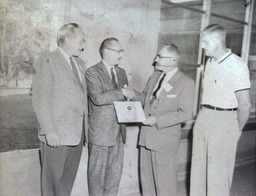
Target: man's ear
67 41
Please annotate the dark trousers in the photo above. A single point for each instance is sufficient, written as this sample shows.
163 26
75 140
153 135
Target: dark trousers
105 168
59 168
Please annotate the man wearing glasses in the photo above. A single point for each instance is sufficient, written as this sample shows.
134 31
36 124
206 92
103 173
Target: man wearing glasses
106 84
168 102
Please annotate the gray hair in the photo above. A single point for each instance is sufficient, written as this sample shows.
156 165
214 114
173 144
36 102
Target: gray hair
172 48
67 30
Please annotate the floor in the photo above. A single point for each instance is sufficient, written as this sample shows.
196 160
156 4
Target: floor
21 169
20 175
244 182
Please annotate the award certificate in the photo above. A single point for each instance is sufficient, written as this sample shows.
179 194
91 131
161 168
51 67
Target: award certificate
129 112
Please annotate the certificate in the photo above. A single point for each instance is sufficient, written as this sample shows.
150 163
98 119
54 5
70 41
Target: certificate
129 112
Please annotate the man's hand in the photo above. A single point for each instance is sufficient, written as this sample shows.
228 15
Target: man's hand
128 93
52 139
151 121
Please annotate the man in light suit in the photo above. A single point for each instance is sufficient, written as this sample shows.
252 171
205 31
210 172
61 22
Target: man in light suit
106 82
60 102
168 102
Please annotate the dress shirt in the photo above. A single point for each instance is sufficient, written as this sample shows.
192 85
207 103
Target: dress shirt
108 67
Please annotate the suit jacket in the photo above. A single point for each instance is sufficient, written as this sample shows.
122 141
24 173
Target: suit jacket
58 100
171 109
103 125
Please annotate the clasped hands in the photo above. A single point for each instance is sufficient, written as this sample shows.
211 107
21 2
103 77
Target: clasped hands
128 92
150 121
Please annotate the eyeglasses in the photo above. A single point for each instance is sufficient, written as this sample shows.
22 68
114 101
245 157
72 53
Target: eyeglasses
165 66
118 51
164 57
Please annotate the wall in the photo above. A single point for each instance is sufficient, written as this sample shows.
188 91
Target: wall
29 28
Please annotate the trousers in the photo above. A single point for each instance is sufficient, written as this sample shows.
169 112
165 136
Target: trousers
158 173
215 137
105 168
59 168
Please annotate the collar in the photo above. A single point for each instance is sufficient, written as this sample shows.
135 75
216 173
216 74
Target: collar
171 73
108 66
64 54
225 56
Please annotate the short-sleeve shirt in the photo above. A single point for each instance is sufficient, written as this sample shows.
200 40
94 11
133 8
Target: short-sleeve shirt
222 79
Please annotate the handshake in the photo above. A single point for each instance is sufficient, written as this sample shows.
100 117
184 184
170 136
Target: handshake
128 92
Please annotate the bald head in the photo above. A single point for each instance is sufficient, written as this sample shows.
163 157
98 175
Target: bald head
173 49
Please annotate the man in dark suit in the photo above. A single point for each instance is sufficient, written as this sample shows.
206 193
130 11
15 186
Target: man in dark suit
106 84
168 102
60 102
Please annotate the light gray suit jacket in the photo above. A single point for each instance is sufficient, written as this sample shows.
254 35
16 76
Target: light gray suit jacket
171 109
103 125
58 100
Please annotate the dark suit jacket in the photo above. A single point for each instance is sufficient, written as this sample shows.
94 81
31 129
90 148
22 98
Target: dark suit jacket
170 109
103 125
59 102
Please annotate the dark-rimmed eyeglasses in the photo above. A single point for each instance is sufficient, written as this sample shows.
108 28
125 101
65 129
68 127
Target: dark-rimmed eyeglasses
118 51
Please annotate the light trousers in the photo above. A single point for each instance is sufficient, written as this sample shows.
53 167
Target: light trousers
215 138
158 172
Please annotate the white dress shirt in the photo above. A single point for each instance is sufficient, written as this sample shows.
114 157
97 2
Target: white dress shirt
108 67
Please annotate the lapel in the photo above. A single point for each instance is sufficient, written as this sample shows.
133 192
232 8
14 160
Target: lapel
61 61
174 79
173 82
80 65
154 81
105 75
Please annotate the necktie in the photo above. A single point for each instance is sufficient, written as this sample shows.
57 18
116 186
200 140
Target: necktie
122 126
157 89
75 71
113 78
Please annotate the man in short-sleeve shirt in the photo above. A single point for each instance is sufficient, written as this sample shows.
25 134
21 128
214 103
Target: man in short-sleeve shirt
225 110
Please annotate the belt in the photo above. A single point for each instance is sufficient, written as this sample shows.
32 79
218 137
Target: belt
219 109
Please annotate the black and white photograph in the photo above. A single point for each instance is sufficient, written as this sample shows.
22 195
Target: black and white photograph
128 98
